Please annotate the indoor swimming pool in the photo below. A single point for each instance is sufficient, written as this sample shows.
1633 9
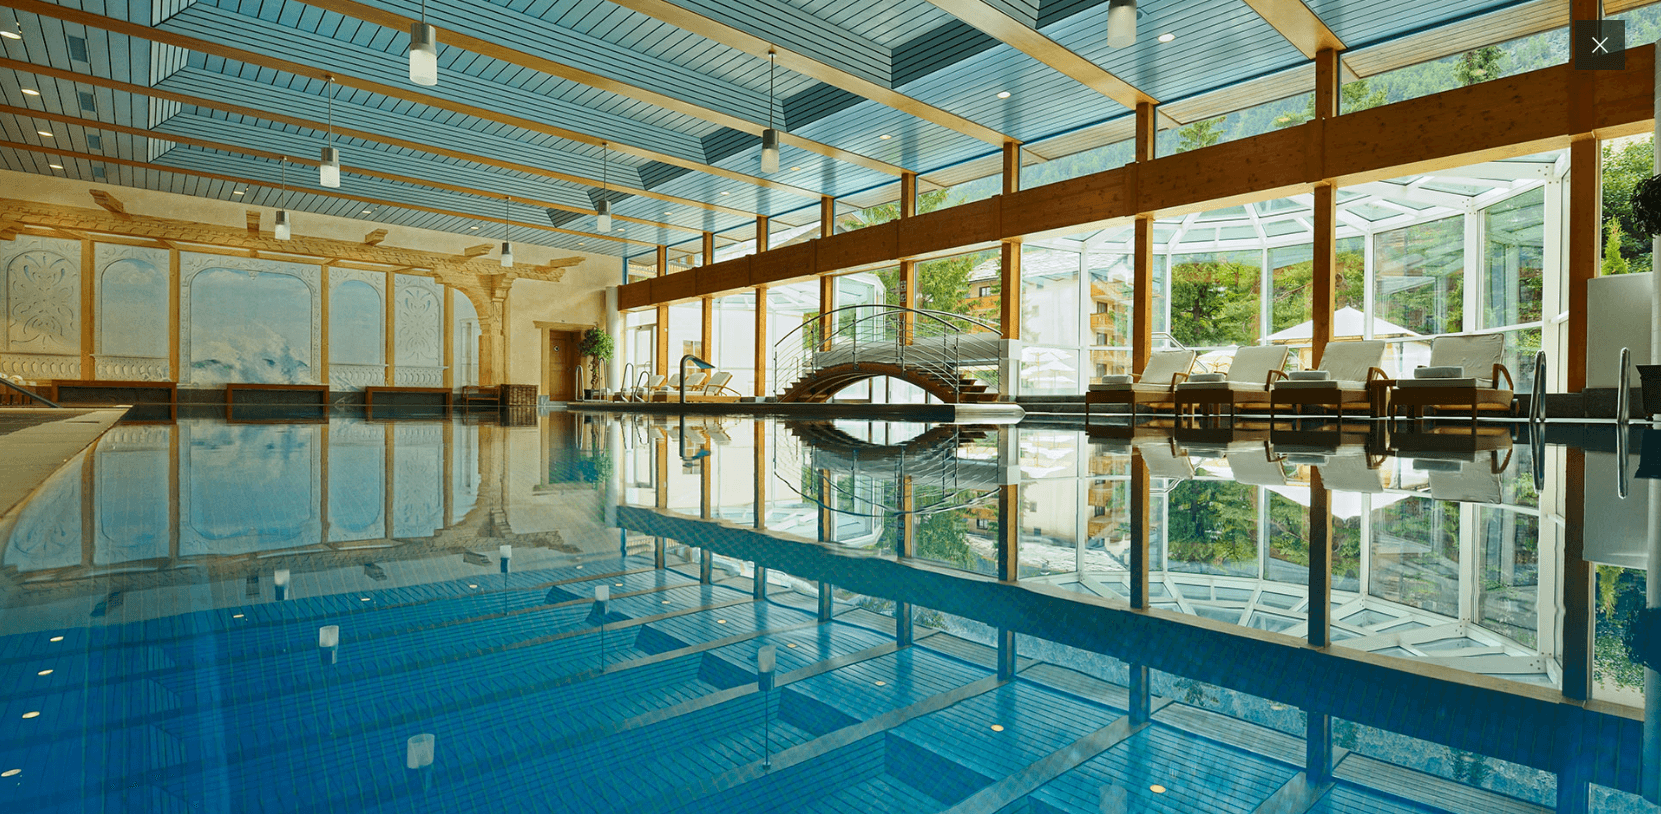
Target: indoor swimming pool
609 612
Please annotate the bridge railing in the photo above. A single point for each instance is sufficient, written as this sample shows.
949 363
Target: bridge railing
935 343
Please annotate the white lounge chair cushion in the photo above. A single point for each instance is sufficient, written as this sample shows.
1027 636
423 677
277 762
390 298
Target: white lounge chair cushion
1411 384
1350 361
1165 365
1318 384
1243 387
1199 378
1310 375
1475 356
1117 378
1448 372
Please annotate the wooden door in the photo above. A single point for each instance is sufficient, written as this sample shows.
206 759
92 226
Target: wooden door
561 354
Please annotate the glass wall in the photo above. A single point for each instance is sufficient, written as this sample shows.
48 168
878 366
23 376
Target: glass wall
1216 298
735 335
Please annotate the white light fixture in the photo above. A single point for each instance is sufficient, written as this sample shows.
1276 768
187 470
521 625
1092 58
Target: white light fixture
30 92
282 231
11 35
418 750
1003 94
328 169
44 133
885 137
55 166
1121 23
1167 37
423 51
770 137
602 220
328 636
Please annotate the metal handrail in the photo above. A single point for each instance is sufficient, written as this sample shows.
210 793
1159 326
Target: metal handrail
793 353
935 315
1537 397
1623 393
31 394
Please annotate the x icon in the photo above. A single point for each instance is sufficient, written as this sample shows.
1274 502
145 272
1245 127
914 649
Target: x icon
1600 46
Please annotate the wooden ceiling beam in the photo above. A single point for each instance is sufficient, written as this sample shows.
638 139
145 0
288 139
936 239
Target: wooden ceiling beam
1298 25
108 201
403 94
253 221
374 238
542 64
346 132
477 251
232 179
805 65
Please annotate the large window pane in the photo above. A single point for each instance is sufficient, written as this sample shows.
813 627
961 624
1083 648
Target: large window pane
1049 320
1415 557
735 334
1213 528
1421 276
1514 247
1112 284
1214 298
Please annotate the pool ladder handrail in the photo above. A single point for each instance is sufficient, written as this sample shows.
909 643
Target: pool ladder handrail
31 394
1537 397
1623 390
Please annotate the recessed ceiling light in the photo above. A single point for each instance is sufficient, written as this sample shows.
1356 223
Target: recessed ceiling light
236 616
44 673
55 166
997 728
237 192
11 35
1167 37
33 714
720 621
882 683
363 599
1003 94
1156 789
470 228
30 92
885 137
619 228
792 644
56 639
11 773
795 169
45 133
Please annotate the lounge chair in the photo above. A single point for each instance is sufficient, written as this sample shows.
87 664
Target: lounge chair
1247 381
714 390
1164 371
1250 461
1464 371
1345 377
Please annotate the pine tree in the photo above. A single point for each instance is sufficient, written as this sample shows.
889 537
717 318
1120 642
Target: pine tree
1613 262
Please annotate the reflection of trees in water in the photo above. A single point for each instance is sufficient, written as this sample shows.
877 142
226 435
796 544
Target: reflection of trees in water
1212 527
1620 597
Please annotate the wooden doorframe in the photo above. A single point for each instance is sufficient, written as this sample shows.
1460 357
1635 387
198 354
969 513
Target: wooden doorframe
546 330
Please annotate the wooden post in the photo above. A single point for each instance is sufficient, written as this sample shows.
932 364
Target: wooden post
905 547
1141 300
1579 581
709 248
1325 269
1012 167
761 233
827 303
759 428
1317 758
706 340
761 341
1139 518
1141 694
661 363
908 194
1584 217
1320 563
827 216
662 260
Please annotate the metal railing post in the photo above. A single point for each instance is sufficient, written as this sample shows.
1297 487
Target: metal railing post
1623 395
1537 398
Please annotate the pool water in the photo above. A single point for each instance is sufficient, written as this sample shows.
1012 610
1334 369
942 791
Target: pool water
575 611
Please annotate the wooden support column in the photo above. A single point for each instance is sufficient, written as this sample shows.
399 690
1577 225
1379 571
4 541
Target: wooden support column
1139 518
661 363
706 339
1320 562
761 341
709 248
1009 532
1325 267
706 488
908 194
1009 300
1584 248
1579 581
827 303
905 547
662 260
660 484
1007 655
1141 694
1317 759
759 428
761 233
1141 300
827 216
89 311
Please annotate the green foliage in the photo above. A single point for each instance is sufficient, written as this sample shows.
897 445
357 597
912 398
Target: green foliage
1212 527
1623 170
1620 599
1613 262
1357 95
1479 65
1293 289
1214 302
599 346
1202 133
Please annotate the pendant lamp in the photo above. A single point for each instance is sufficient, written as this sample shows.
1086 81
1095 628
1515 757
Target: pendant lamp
328 169
1121 23
507 248
603 221
770 137
282 230
423 51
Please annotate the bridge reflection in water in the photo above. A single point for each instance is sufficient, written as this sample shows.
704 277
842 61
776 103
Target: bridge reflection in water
1026 618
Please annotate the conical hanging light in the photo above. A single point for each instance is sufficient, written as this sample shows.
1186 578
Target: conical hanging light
507 248
328 169
770 137
423 51
1121 23
282 230
603 221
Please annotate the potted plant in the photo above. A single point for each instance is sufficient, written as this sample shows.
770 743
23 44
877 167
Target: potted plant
598 346
1646 212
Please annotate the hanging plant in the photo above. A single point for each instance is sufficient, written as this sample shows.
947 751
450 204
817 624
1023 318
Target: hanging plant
1646 205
